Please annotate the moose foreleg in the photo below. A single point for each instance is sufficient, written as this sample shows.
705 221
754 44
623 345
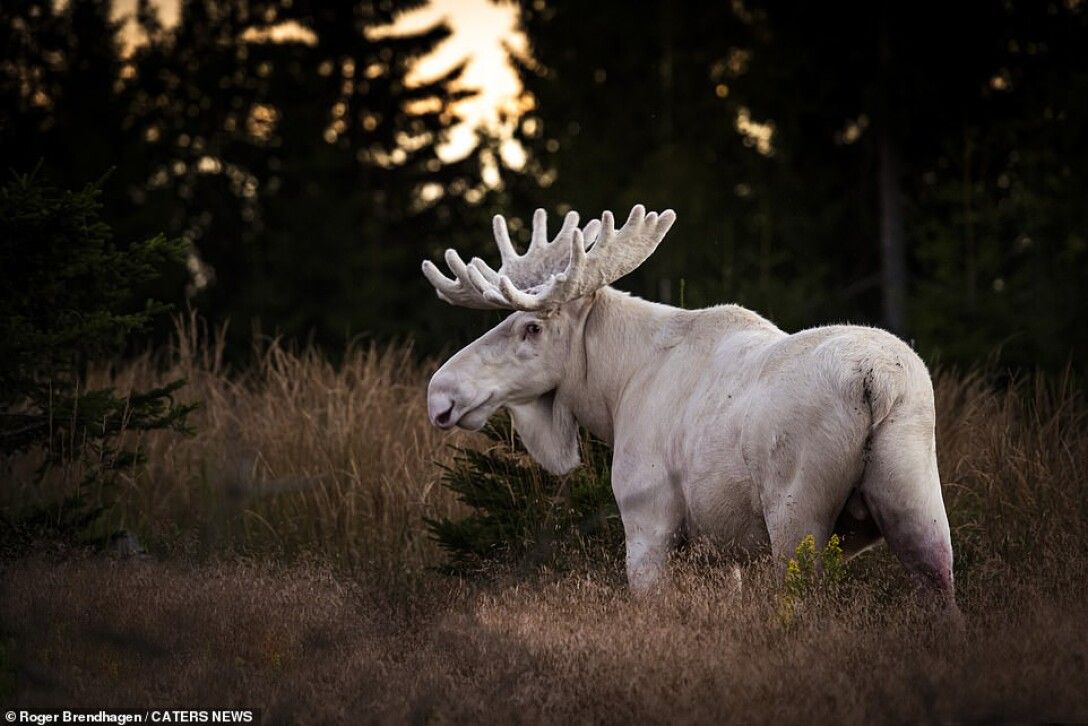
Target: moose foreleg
652 513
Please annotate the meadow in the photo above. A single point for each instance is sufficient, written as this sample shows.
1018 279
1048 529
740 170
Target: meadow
288 568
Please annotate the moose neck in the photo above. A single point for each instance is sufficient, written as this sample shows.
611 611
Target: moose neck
617 341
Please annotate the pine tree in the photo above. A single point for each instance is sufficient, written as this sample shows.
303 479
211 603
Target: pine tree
60 100
639 104
306 172
68 302
523 515
953 132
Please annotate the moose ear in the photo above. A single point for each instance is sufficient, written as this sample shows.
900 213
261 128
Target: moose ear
549 431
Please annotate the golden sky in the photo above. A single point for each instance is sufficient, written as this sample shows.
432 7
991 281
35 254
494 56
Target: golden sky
480 28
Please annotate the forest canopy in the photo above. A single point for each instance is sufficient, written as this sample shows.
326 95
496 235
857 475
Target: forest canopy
918 166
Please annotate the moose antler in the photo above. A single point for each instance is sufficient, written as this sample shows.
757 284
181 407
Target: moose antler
575 263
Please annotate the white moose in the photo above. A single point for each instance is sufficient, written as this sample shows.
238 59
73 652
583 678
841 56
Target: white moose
721 424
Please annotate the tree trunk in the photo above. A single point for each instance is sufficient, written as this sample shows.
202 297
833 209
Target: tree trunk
893 251
666 70
970 255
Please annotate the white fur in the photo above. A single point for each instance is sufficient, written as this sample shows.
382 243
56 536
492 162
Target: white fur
721 424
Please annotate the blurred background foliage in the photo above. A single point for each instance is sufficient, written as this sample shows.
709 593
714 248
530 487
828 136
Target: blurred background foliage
921 166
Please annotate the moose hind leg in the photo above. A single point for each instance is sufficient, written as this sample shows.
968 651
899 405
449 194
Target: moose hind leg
902 490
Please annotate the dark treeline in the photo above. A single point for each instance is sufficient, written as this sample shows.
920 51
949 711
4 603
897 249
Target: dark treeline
920 166
294 169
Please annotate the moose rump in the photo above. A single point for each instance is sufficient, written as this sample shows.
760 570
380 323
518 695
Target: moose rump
844 443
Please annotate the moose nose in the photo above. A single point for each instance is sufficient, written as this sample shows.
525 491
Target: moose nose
440 408
443 419
446 398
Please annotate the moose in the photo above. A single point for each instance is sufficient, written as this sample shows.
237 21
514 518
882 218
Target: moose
721 424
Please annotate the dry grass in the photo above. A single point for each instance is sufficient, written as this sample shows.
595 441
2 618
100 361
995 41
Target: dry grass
289 573
295 456
308 646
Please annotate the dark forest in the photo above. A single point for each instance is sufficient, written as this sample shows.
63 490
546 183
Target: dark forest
917 167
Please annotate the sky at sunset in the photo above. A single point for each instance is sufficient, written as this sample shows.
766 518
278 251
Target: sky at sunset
480 28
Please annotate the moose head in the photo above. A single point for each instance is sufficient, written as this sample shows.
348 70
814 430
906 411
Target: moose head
521 363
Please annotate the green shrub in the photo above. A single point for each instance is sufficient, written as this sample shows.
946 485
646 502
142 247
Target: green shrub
68 301
524 515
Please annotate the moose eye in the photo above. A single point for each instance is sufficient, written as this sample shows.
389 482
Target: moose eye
531 330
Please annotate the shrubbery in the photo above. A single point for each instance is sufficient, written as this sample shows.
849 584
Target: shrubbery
523 515
68 301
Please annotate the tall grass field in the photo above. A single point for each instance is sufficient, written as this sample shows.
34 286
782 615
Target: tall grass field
288 566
